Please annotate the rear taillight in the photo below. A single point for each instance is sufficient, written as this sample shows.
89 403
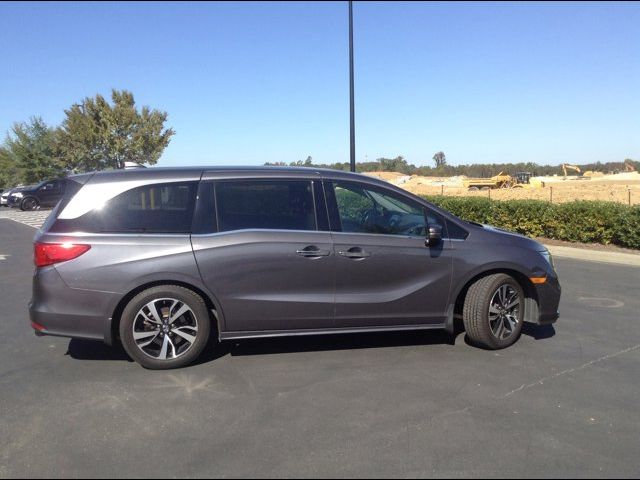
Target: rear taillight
50 253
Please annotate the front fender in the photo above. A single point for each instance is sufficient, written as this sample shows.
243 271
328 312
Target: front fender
462 281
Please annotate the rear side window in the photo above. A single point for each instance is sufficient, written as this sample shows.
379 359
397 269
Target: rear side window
71 188
265 204
156 208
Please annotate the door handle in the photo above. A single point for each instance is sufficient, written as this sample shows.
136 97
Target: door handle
355 252
313 251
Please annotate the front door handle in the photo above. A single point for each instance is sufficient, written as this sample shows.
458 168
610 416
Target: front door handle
355 252
313 251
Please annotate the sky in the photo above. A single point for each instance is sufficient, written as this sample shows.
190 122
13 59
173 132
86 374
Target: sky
248 83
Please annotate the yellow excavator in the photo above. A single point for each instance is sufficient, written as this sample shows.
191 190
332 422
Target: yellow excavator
570 167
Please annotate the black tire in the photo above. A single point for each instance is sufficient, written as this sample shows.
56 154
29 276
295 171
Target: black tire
132 312
473 189
476 312
29 204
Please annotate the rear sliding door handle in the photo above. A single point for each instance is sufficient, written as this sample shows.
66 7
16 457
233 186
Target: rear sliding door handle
355 252
313 251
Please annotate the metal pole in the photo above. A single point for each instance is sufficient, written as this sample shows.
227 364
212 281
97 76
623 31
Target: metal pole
353 124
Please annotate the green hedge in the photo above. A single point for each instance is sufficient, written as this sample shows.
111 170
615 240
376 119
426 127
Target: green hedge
580 221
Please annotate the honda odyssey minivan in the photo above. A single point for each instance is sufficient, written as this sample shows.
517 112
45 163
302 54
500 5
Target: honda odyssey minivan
160 260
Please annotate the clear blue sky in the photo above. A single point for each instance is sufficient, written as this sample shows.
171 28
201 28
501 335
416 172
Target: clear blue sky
246 83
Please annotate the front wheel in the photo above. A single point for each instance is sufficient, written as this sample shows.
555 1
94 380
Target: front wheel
165 327
28 204
494 311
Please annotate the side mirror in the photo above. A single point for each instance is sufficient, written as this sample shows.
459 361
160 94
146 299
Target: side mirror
434 237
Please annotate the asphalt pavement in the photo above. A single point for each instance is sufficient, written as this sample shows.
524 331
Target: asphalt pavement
562 402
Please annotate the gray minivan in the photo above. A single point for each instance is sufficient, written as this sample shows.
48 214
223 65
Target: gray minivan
161 259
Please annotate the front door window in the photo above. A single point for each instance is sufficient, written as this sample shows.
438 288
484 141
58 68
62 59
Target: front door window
364 210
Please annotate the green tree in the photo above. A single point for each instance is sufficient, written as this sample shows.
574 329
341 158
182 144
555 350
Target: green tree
30 153
9 172
441 159
398 164
96 135
300 163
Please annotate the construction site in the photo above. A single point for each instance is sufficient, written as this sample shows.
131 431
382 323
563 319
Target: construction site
568 185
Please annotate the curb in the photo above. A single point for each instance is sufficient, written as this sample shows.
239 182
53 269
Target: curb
628 259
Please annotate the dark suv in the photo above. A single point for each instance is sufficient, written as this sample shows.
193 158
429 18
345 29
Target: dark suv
160 259
46 194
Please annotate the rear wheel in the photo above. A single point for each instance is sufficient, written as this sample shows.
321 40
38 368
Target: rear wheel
29 203
165 327
494 311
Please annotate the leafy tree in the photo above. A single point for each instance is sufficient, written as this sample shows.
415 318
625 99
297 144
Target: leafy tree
440 159
9 172
30 153
96 135
299 163
398 164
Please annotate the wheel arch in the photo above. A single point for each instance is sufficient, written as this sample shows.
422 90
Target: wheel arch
32 197
113 325
531 312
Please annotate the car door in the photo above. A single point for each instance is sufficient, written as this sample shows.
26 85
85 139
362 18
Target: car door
50 193
386 275
265 253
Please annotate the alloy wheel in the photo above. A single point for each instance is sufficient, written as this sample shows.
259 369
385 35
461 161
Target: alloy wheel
504 312
29 204
165 328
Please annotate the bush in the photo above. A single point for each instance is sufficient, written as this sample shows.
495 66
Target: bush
580 221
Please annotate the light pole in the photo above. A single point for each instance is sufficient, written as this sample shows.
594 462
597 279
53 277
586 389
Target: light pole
352 119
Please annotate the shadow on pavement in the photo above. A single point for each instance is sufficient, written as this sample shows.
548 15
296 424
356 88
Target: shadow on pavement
94 350
538 332
332 342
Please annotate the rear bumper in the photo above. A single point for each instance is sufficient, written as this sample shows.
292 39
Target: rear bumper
65 325
57 310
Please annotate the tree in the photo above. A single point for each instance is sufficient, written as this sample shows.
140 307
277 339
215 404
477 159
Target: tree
30 153
9 173
96 135
306 163
440 159
398 164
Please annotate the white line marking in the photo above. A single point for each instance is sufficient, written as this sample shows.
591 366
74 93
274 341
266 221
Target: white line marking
571 370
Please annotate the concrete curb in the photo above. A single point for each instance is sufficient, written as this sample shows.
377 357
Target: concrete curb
628 259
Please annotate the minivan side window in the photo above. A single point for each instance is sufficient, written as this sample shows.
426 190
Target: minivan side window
265 204
154 208
368 210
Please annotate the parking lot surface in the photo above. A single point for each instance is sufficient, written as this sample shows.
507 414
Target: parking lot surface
561 402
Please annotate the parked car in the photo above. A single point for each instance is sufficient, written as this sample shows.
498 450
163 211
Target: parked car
160 259
44 195
4 196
